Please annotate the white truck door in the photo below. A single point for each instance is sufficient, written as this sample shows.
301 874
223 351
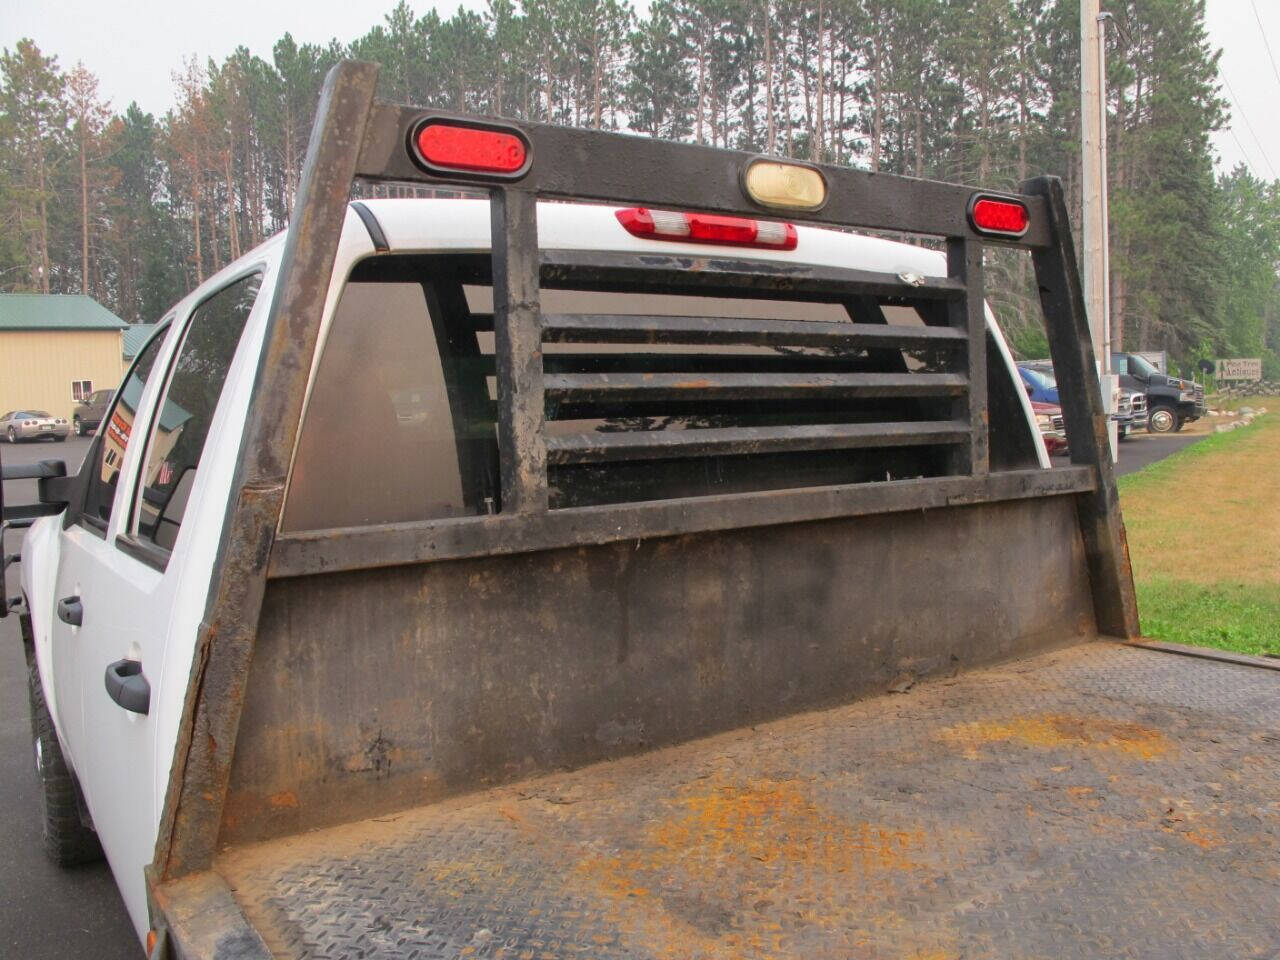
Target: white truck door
85 549
129 585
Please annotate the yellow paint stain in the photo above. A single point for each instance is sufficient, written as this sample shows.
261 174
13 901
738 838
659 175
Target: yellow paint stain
285 799
1058 730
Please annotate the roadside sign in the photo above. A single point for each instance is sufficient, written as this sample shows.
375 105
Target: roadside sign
1239 369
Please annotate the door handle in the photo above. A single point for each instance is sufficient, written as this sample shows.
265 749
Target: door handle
127 686
70 611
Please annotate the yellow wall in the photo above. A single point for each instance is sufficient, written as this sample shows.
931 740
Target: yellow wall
38 366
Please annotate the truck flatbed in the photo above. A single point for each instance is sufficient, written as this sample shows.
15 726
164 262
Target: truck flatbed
1099 801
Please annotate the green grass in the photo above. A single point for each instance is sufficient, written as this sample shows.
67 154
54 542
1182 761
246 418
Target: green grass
1231 616
1167 470
1203 527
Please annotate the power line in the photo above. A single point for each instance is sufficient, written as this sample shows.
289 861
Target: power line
1243 153
1262 30
1245 117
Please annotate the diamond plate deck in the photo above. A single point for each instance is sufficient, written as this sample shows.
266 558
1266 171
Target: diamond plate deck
1103 801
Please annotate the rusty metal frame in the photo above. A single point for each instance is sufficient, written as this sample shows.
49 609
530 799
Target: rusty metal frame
355 136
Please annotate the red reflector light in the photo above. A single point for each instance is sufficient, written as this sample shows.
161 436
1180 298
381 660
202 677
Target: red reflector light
447 146
998 215
707 228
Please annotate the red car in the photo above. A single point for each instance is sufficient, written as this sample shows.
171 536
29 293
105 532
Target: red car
1049 420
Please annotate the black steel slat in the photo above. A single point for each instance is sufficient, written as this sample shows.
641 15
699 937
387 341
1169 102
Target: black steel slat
579 387
658 444
637 361
721 272
623 328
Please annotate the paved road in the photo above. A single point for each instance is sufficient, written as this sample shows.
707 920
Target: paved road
1144 449
61 914
46 913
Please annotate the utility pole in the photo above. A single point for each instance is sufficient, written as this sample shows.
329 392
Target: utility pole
1092 173
1093 157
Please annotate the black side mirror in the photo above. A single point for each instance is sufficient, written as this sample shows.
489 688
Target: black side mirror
53 485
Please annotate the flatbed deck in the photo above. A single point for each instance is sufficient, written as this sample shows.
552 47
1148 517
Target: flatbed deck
1098 801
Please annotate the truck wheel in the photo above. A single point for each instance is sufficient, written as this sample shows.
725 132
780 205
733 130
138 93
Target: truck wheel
1163 420
77 426
67 841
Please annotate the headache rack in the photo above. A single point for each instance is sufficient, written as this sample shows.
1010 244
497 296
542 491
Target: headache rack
358 137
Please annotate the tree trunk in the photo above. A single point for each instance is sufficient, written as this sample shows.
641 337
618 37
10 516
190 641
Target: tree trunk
770 127
84 207
815 143
877 98
233 231
195 218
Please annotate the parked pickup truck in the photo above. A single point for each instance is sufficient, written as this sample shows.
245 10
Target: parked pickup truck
522 576
1171 402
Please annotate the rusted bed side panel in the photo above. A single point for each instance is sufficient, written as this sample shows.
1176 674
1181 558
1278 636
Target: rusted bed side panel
373 690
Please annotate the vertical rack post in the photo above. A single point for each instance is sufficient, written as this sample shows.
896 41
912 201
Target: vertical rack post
201 769
968 313
517 325
1071 345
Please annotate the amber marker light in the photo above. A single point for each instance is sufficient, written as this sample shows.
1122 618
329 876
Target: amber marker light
784 186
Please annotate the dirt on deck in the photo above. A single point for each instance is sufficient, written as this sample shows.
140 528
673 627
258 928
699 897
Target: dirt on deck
1099 801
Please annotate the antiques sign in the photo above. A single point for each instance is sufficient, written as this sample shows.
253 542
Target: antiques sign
1239 369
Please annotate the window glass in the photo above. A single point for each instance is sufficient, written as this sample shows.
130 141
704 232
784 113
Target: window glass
116 430
378 443
399 424
1143 367
80 389
178 433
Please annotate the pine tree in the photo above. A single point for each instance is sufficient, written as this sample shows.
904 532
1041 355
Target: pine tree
33 98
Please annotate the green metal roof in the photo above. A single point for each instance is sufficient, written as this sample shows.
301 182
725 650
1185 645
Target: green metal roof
136 336
55 311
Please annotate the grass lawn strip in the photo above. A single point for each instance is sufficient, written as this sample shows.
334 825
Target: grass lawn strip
1204 538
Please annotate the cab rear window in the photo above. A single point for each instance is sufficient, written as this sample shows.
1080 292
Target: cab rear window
400 423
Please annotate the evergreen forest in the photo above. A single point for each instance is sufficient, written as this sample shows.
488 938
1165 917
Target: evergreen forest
135 209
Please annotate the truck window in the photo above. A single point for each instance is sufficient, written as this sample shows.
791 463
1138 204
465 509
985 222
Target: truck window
116 429
400 427
186 411
378 444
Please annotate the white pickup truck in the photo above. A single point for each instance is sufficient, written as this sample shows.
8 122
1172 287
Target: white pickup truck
427 497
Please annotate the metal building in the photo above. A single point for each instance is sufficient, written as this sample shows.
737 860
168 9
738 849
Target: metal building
56 349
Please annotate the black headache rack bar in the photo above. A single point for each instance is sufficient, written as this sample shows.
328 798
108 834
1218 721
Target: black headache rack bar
356 136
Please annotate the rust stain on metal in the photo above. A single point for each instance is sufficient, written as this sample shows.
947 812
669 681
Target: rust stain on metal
767 840
1059 730
283 799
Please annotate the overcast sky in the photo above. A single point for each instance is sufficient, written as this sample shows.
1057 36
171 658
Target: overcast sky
135 46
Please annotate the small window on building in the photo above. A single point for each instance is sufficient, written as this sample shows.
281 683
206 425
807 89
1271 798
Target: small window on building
81 390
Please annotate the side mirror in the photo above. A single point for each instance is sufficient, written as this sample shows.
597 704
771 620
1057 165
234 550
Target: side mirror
53 486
